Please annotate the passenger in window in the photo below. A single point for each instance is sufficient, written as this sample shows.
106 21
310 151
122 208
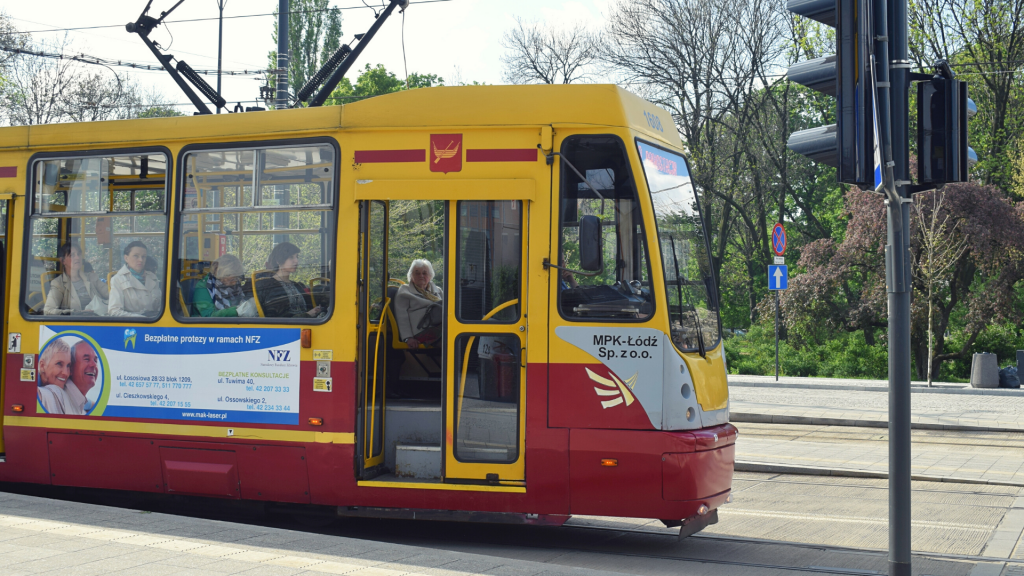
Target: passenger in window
54 371
134 291
418 308
74 291
278 294
219 293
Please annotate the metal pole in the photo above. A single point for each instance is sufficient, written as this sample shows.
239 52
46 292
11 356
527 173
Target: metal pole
776 335
282 55
891 18
220 44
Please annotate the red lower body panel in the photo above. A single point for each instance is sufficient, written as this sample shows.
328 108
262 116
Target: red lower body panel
657 474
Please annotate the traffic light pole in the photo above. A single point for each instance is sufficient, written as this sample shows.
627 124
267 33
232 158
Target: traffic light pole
891 17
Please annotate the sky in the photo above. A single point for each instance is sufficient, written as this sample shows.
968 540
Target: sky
455 39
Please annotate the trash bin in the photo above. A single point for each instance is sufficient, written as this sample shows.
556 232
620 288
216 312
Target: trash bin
506 376
984 371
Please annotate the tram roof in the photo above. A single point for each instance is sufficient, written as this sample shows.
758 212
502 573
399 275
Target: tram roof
441 107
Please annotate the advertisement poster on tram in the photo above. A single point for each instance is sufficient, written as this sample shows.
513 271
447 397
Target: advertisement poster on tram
224 375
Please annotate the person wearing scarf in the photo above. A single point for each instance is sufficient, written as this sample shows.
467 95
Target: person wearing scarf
413 303
219 293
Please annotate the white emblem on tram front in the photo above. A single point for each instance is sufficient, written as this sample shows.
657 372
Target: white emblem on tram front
615 387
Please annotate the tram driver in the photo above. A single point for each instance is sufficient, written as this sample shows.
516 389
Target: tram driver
134 291
418 308
74 291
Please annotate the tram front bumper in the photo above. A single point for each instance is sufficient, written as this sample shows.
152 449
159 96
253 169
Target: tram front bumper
663 475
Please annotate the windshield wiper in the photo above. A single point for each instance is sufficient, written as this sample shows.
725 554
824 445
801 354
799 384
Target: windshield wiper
679 289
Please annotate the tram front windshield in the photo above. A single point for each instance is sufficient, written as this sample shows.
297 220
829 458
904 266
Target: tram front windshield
689 284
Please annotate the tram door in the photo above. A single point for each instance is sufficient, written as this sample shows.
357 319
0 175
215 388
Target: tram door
374 320
11 346
486 342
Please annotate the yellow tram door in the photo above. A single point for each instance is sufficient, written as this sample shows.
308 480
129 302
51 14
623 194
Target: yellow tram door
13 341
375 314
486 340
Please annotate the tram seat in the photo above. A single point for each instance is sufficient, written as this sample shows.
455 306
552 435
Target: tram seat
320 291
258 275
185 288
44 281
425 362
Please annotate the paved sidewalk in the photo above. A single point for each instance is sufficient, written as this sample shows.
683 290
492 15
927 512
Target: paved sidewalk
40 536
982 457
785 405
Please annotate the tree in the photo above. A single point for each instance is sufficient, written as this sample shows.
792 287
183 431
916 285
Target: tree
377 81
941 246
314 33
37 88
538 54
710 63
843 285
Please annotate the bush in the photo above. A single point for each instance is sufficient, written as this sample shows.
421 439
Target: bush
846 356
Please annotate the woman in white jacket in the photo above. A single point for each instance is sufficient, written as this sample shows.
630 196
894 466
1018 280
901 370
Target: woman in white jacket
134 291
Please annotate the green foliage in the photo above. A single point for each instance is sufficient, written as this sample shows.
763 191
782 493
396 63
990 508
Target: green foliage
314 33
1003 340
159 112
845 356
377 81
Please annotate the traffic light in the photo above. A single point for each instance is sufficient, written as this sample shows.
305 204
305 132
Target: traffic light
848 145
942 112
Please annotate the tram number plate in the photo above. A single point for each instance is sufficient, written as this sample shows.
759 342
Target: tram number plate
322 384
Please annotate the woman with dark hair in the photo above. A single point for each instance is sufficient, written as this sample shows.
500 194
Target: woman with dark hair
76 287
278 294
134 291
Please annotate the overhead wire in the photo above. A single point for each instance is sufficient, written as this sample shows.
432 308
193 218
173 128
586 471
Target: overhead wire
226 17
86 59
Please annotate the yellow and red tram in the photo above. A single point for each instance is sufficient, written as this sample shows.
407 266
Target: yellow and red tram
210 306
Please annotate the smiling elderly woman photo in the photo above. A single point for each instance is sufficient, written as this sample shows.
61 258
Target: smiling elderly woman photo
54 371
418 306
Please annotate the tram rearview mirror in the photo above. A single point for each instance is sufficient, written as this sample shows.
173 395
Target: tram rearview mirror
590 244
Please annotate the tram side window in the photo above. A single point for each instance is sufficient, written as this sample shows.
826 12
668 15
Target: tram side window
98 237
257 234
603 187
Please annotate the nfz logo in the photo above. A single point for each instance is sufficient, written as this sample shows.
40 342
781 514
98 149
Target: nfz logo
279 355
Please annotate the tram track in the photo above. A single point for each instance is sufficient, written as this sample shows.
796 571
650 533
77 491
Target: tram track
571 539
806 545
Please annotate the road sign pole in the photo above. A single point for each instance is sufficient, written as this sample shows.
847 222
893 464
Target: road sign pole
776 335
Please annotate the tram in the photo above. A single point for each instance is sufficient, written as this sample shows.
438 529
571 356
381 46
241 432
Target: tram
219 306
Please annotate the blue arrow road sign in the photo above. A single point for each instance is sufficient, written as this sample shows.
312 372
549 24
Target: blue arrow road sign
778 278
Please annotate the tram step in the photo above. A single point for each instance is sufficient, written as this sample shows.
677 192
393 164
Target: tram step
418 461
410 422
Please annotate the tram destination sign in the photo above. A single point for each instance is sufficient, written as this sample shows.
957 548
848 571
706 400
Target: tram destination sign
225 375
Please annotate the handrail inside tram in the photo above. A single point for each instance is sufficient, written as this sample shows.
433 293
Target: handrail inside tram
465 354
